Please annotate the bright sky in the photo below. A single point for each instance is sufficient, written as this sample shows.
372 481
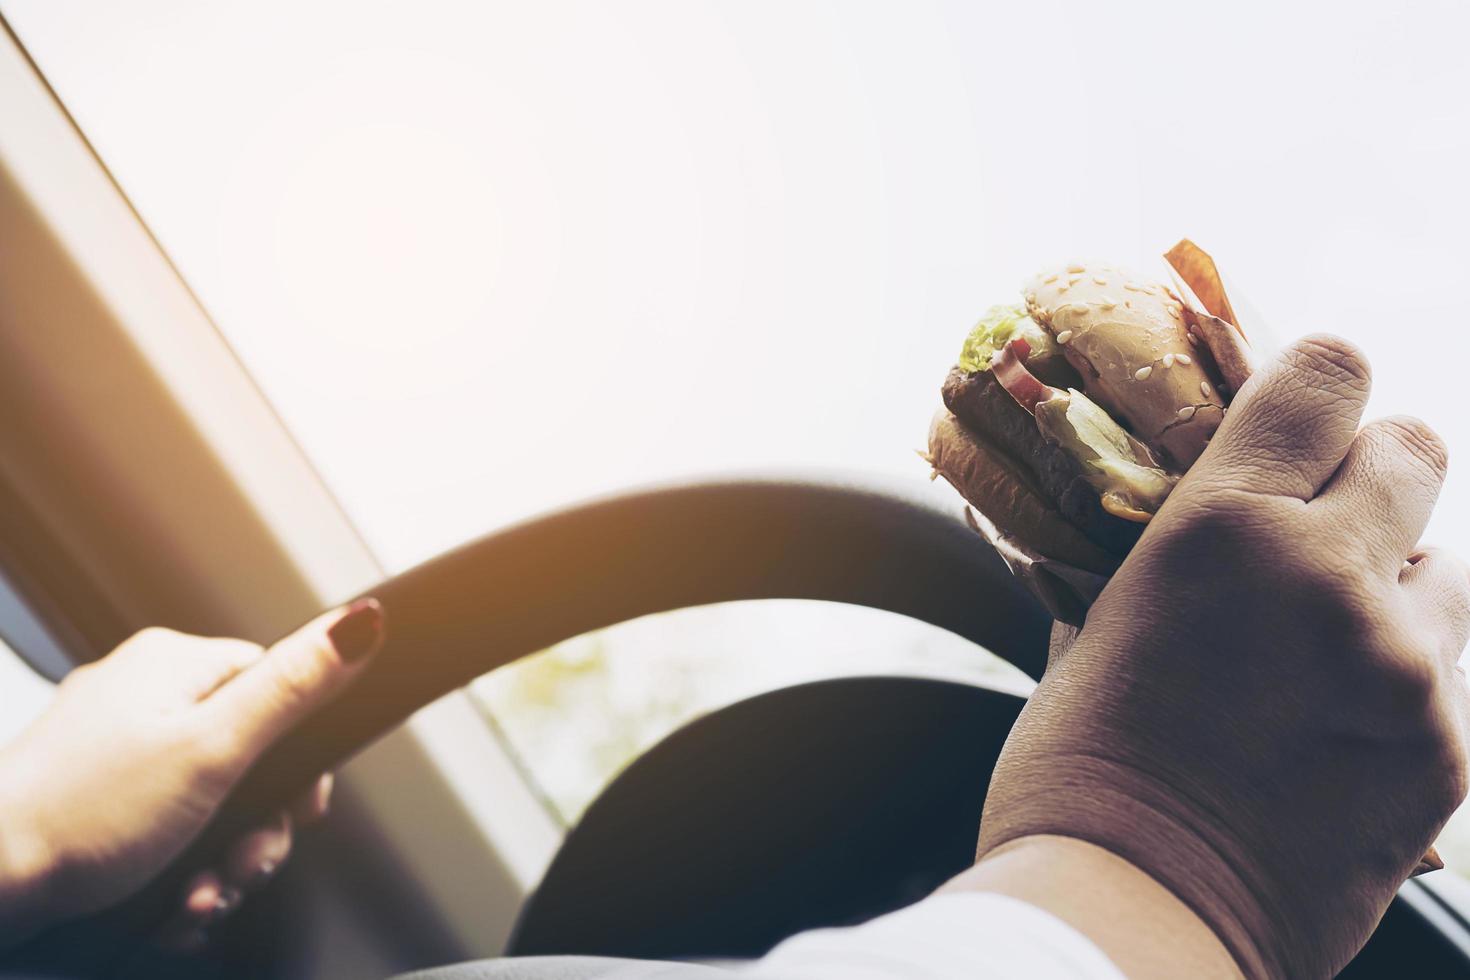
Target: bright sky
488 257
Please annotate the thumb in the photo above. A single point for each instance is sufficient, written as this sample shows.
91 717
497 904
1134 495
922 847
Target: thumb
299 674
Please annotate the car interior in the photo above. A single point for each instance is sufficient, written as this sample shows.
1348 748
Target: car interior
148 477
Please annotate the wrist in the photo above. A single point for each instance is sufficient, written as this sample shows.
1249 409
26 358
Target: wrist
1156 830
1138 923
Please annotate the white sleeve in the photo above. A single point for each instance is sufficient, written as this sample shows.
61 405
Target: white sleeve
953 935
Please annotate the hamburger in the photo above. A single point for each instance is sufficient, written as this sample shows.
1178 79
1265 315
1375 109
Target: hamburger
1072 412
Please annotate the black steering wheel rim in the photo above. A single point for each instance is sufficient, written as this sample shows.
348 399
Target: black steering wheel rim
886 544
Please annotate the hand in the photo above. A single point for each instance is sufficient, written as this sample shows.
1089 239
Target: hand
1263 712
136 752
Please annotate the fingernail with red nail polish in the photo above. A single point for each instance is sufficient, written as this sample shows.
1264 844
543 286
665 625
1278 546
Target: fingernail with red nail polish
360 630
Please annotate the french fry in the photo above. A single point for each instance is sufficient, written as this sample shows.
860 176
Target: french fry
1211 317
1194 265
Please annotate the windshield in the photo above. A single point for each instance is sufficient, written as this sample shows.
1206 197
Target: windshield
485 259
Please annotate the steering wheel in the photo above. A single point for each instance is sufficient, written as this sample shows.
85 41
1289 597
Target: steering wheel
884 544
889 546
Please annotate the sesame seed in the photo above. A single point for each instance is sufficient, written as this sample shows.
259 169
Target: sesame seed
1064 336
1182 358
1135 287
1079 308
1073 280
1075 267
1142 373
1100 280
1062 287
1193 340
1107 303
1186 413
1204 389
1168 360
1049 279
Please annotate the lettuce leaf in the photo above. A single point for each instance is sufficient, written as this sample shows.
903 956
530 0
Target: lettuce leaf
996 328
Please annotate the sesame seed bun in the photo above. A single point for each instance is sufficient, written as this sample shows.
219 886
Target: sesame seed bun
1128 339
1009 496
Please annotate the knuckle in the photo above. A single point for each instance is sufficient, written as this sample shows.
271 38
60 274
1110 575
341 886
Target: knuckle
221 753
1212 503
1225 512
1414 437
78 676
1443 571
150 637
1335 570
1345 597
1443 755
1458 587
1453 771
1330 360
1406 692
1417 679
240 652
301 678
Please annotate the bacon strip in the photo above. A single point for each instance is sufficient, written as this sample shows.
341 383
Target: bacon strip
1009 365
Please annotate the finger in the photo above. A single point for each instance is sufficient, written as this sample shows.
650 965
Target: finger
206 900
253 859
1438 584
1292 423
1386 487
165 663
298 674
221 660
1431 861
313 805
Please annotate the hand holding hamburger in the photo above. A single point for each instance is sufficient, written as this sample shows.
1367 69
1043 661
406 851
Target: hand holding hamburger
1071 416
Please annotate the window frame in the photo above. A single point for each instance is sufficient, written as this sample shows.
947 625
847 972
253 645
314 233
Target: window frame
154 484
